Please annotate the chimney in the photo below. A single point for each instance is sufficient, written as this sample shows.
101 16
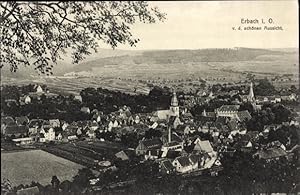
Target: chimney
169 135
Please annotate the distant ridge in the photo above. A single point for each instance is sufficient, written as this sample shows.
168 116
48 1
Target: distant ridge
137 62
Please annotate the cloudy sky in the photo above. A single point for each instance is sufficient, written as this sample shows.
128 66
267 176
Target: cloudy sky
208 24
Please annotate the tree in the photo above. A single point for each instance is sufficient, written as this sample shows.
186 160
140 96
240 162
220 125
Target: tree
37 33
82 178
152 133
264 88
294 89
55 183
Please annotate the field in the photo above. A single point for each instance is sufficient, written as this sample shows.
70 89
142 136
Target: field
35 165
85 153
64 85
124 71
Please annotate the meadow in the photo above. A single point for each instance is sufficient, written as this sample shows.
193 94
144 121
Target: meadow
23 167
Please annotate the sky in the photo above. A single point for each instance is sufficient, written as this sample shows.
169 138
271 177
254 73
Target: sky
208 24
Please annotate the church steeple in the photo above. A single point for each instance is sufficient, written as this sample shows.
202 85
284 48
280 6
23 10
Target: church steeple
174 101
251 94
204 113
174 108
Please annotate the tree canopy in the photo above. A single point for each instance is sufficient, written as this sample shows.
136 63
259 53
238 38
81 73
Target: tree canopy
38 33
264 88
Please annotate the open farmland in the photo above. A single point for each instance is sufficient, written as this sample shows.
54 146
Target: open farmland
125 72
85 153
36 165
73 85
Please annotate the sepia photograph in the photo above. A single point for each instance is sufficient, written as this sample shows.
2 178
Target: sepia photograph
150 97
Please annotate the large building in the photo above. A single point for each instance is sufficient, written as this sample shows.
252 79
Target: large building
173 111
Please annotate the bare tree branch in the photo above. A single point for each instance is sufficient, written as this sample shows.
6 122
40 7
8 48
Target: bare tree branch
39 31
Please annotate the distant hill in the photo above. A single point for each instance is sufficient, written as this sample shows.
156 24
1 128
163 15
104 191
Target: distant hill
160 63
64 65
156 60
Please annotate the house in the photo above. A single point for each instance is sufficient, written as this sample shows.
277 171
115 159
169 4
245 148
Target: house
137 119
125 154
233 125
185 129
271 154
97 118
22 120
150 144
94 125
204 128
25 100
64 125
115 124
261 99
78 98
276 144
91 134
69 135
54 123
274 99
49 133
59 136
174 121
85 110
46 124
79 131
222 120
39 89
72 129
184 164
23 141
273 127
160 115
152 154
110 125
42 138
154 125
243 116
130 120
227 110
34 124
203 146
171 146
166 167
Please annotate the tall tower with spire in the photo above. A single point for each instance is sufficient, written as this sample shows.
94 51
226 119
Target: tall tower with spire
174 108
251 97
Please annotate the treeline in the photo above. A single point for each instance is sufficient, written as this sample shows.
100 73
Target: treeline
68 108
269 114
109 101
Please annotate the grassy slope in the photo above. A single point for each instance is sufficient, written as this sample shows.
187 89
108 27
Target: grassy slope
36 165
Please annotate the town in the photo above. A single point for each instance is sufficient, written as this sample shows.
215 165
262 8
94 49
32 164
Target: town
228 135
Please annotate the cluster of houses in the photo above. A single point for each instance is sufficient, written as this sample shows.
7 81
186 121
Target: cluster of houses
226 126
203 96
36 95
181 131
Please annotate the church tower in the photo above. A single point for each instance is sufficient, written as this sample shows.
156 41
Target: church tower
174 108
251 97
204 113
